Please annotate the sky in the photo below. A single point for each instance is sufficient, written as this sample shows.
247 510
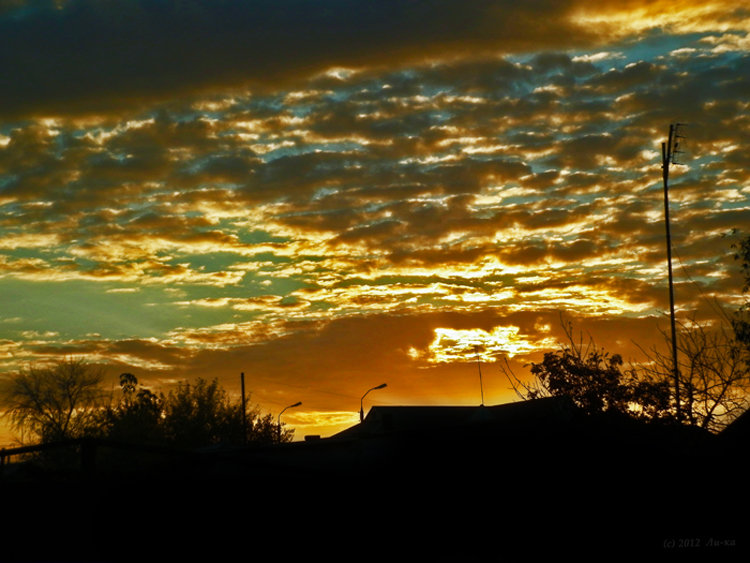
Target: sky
327 195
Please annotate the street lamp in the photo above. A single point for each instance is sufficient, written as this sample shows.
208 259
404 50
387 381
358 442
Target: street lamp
361 408
298 403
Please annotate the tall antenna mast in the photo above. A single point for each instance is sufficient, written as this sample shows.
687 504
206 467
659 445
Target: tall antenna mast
668 152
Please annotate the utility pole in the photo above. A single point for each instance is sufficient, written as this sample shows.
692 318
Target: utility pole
668 152
244 409
479 366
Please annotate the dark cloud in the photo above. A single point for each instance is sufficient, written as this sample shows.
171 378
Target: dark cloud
87 55
398 171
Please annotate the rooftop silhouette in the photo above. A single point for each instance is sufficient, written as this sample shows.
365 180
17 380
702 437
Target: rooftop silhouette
507 473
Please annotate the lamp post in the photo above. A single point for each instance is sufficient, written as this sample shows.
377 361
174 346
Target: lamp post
278 425
361 408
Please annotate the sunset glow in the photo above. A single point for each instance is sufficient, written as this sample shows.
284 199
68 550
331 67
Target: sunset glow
462 345
326 199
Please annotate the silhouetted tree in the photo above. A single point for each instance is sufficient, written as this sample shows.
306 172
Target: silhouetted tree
136 417
202 414
595 381
199 415
193 415
265 430
53 403
741 319
714 372
67 401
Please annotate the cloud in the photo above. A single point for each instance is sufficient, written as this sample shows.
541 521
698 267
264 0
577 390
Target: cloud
87 55
355 200
177 183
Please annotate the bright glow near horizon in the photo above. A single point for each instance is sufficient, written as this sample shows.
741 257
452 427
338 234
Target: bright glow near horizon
451 345
371 206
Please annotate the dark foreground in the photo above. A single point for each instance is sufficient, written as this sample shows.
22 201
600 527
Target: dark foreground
583 492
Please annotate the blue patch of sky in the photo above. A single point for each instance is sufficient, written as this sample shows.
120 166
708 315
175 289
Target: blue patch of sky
322 193
406 74
181 115
302 110
152 311
657 44
376 206
84 264
272 258
7 181
317 306
338 95
306 148
24 10
195 165
258 236
76 308
27 253
214 262
260 105
279 286
647 47
228 261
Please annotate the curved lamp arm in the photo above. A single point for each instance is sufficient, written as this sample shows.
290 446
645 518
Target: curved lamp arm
361 407
278 420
